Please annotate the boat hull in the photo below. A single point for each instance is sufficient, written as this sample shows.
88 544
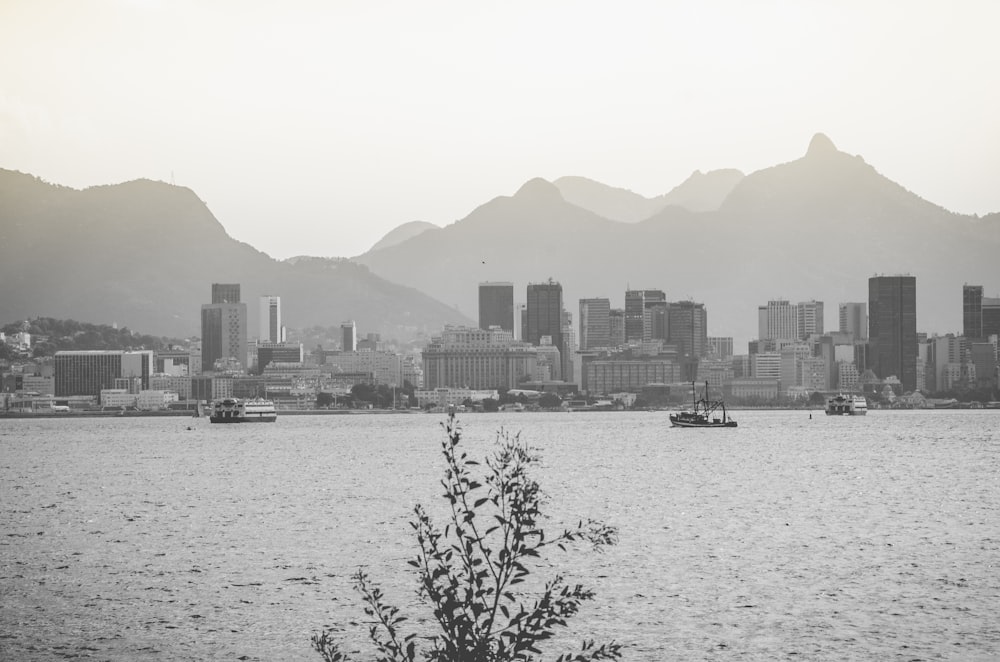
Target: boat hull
268 418
682 423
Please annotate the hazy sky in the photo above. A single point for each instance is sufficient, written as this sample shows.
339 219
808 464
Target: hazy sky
316 127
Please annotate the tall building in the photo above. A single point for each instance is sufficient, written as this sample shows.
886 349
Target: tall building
269 319
892 328
89 372
545 312
972 311
496 305
349 336
810 318
687 324
721 346
778 320
595 323
991 317
223 327
225 292
854 320
616 322
636 303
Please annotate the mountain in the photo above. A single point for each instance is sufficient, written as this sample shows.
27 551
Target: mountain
699 192
402 233
814 228
144 254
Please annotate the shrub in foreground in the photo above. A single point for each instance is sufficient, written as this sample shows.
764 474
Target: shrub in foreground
469 572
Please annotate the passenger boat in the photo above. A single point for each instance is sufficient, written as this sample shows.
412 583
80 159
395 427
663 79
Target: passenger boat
846 405
703 413
236 410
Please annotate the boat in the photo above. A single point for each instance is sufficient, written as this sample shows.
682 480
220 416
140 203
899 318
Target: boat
703 413
846 405
236 410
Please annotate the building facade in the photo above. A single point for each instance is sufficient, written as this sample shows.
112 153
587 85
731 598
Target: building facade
892 328
477 359
90 372
223 327
595 323
269 320
778 320
545 312
496 306
854 320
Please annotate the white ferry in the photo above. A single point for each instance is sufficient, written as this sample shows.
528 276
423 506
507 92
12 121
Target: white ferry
235 410
846 405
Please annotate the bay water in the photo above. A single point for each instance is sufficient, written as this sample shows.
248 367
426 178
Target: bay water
791 537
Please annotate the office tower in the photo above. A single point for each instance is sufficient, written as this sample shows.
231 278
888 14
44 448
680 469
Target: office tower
520 321
972 311
616 322
545 312
687 328
991 317
892 328
225 292
778 320
269 319
349 336
854 320
809 316
595 323
88 372
223 327
496 305
721 347
636 303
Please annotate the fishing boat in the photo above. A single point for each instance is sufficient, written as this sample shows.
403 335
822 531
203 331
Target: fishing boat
704 413
846 405
236 410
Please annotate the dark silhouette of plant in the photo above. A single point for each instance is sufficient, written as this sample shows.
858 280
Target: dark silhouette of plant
469 572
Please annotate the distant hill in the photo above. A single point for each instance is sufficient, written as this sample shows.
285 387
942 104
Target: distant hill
144 254
816 227
402 233
699 192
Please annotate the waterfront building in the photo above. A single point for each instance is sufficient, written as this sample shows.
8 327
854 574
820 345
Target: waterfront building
348 336
751 388
983 356
892 328
496 305
208 388
595 323
173 362
940 352
179 384
545 307
446 397
223 327
792 357
412 371
385 367
847 376
624 371
270 329
766 365
477 359
778 320
88 372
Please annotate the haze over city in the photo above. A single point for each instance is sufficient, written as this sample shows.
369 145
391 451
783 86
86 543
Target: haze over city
315 128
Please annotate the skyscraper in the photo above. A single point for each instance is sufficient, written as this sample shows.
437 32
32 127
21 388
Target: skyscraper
595 323
269 319
972 311
687 324
349 336
809 316
778 320
636 303
545 312
854 320
496 305
892 326
223 327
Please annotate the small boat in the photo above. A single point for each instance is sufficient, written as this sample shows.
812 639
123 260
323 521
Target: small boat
236 410
703 413
846 405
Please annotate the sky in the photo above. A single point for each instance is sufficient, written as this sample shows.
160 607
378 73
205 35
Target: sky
314 128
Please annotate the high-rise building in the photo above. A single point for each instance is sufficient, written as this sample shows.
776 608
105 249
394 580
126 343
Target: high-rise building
269 319
595 323
545 312
496 305
721 347
991 316
225 292
810 318
349 336
778 320
854 320
636 303
687 324
89 372
616 322
892 328
972 311
223 327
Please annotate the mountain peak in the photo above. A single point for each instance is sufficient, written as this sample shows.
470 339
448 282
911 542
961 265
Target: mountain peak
820 144
539 189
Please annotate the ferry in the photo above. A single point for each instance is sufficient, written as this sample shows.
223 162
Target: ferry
846 405
235 410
